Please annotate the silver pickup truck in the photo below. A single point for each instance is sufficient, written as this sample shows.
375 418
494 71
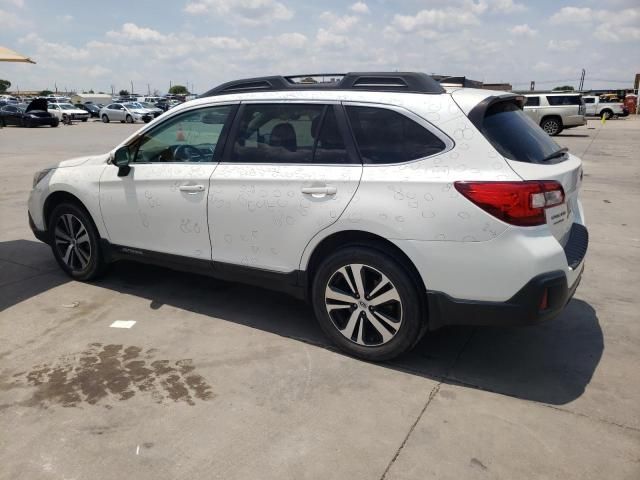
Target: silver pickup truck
555 111
603 107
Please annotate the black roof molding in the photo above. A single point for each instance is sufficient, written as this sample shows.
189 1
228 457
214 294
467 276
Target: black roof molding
409 82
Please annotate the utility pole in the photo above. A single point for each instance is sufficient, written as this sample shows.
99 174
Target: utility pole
131 87
582 80
148 90
532 87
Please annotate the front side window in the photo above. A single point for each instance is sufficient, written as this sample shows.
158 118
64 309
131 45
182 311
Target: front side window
532 102
288 133
563 100
385 136
188 137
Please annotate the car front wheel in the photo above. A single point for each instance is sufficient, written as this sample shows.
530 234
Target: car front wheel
105 119
75 242
129 119
368 303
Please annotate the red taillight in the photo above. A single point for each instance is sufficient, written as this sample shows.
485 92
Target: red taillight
544 301
517 203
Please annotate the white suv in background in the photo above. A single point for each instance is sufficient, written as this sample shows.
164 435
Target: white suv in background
66 112
555 112
392 205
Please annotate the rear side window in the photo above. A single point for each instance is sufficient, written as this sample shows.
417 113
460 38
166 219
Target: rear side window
532 102
589 100
564 100
385 136
516 136
289 134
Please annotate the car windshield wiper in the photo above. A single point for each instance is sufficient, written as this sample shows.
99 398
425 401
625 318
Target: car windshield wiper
557 153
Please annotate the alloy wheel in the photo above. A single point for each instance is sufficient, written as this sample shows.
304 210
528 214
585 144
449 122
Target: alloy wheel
551 127
363 304
72 242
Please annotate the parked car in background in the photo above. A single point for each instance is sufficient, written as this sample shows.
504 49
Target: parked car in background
94 110
604 107
128 112
152 108
555 112
66 112
389 219
33 115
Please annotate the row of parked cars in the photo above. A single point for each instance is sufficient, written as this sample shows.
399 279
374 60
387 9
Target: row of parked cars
555 112
52 111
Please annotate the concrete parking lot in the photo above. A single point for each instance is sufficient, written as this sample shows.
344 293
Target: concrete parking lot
218 380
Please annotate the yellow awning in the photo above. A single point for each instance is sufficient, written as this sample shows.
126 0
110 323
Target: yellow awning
7 55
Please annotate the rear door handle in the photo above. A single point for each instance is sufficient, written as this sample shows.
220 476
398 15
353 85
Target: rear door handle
319 190
191 188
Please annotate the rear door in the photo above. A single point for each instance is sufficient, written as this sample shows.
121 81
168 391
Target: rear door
525 147
590 105
288 172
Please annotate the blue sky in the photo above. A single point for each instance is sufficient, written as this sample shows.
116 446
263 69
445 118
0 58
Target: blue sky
94 45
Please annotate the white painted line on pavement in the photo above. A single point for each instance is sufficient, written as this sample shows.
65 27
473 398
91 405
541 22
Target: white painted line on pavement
123 324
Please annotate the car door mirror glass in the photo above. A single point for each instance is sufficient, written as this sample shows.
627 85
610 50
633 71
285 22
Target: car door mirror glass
122 157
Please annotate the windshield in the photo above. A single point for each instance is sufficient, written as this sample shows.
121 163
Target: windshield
516 136
133 105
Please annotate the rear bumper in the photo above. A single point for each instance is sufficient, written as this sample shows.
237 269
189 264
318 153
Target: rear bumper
542 298
571 121
524 308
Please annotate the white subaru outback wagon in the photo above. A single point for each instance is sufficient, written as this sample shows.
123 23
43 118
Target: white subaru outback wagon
391 204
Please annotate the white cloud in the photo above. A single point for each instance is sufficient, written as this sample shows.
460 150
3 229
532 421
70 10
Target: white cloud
11 21
523 30
132 32
563 45
326 38
14 3
619 35
249 12
579 15
359 7
292 40
339 23
507 6
442 19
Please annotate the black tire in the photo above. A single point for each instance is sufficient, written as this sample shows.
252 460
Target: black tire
2 123
26 123
85 119
55 123
90 248
365 340
551 125
105 119
606 114
128 119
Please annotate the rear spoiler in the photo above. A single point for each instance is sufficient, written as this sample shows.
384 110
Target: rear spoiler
476 115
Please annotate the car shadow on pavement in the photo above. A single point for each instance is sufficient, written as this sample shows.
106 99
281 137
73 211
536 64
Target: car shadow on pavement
550 363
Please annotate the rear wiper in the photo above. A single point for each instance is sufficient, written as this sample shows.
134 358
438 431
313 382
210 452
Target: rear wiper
557 153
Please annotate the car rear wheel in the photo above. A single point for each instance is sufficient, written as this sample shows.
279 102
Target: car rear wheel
26 123
55 123
368 303
84 119
75 242
606 114
105 119
129 119
551 126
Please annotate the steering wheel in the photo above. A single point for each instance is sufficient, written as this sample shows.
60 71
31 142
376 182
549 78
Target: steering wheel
187 153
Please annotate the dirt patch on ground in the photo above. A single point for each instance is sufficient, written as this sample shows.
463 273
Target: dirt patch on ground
102 374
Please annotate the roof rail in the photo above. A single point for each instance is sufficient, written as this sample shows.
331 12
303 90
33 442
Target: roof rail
410 82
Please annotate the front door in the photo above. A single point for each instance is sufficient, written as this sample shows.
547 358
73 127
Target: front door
161 204
287 173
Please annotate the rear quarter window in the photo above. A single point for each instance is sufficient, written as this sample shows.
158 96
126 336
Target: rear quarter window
384 136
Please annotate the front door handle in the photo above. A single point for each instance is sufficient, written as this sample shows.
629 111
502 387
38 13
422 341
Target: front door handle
191 189
319 190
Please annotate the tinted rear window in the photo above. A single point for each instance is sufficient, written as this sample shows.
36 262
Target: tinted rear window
532 102
564 100
516 136
385 136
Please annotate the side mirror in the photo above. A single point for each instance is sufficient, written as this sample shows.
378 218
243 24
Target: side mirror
121 159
